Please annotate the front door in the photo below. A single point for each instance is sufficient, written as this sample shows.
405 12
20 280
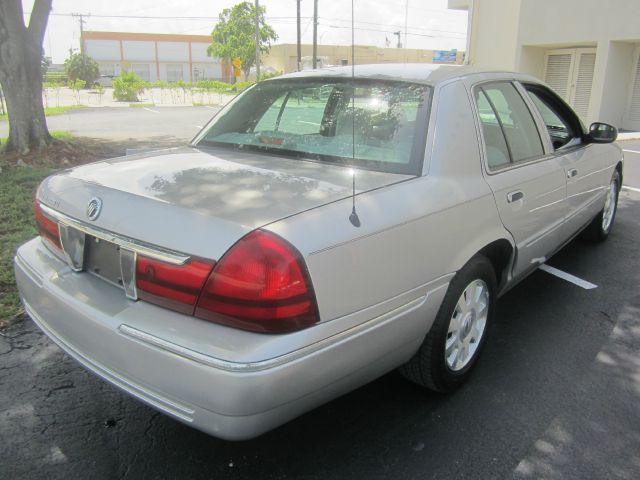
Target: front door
587 172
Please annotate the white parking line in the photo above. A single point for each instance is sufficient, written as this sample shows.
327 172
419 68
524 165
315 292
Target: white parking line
210 108
149 110
633 189
198 126
630 151
567 276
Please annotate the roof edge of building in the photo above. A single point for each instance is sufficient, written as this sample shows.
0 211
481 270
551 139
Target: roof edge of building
160 37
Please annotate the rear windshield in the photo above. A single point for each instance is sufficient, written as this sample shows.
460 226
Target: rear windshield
363 123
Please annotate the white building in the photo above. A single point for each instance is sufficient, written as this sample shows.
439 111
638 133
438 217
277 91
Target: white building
155 56
587 50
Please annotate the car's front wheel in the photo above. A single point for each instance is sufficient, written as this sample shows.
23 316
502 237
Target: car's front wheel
453 344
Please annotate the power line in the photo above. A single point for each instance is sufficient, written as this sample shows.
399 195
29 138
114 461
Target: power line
387 31
283 19
276 19
158 17
392 25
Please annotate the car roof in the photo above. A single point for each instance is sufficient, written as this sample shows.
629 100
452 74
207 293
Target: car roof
425 73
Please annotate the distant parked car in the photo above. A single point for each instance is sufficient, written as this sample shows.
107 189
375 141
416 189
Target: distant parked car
319 232
105 80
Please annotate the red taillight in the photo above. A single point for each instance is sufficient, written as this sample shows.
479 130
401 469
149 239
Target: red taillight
47 227
172 286
260 284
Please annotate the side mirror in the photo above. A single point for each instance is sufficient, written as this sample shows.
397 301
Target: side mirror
602 133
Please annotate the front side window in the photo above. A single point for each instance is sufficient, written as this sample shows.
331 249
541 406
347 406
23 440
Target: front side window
563 126
370 124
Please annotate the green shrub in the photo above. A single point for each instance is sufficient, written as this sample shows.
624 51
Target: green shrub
240 86
76 85
267 75
82 67
57 78
127 86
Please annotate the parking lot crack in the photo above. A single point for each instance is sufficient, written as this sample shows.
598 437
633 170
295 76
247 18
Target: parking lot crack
65 386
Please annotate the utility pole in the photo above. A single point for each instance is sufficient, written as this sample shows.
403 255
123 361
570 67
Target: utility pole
2 110
81 20
315 34
299 40
406 21
257 42
398 34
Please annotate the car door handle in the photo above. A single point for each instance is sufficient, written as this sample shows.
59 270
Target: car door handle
514 196
572 173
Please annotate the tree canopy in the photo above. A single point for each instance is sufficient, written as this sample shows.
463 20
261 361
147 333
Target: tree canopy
80 66
234 36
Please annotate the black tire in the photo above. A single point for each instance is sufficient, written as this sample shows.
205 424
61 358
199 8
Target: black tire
596 232
428 367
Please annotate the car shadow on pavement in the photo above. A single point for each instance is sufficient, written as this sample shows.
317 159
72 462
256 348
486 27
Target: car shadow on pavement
556 395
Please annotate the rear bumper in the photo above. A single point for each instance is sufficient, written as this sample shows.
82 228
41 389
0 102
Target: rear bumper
184 374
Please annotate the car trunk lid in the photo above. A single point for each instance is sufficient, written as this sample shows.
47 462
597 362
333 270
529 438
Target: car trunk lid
200 201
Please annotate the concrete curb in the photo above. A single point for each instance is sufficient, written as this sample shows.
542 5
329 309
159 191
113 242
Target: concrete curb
628 136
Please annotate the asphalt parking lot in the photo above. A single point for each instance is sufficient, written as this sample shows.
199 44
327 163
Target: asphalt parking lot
556 395
163 126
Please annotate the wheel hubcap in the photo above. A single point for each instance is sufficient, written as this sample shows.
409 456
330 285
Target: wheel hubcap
467 325
609 206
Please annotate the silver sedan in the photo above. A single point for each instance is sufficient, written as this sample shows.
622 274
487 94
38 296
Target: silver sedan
321 230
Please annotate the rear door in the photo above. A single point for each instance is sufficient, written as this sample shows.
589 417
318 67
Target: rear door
587 171
528 184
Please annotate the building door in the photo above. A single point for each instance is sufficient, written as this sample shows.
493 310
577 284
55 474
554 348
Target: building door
632 117
570 73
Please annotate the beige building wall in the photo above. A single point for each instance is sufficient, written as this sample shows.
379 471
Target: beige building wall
283 57
518 34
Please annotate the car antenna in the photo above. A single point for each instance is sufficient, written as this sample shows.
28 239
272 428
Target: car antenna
353 218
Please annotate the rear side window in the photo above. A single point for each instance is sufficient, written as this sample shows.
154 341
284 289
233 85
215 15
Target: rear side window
497 150
508 127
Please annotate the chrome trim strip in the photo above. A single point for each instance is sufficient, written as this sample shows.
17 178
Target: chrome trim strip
275 361
128 272
163 404
72 241
149 250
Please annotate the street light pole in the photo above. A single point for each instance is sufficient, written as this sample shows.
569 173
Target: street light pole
406 22
315 34
257 42
299 40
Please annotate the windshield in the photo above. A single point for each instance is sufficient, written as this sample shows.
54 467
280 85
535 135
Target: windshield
376 125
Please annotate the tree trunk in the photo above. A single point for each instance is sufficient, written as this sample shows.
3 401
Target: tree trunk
21 76
23 91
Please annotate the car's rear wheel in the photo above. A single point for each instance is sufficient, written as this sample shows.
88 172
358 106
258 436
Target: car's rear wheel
452 346
602 224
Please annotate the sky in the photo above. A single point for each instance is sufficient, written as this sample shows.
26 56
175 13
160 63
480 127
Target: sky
430 24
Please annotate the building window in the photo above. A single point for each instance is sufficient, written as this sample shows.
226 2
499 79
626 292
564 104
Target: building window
344 62
108 69
141 69
174 72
